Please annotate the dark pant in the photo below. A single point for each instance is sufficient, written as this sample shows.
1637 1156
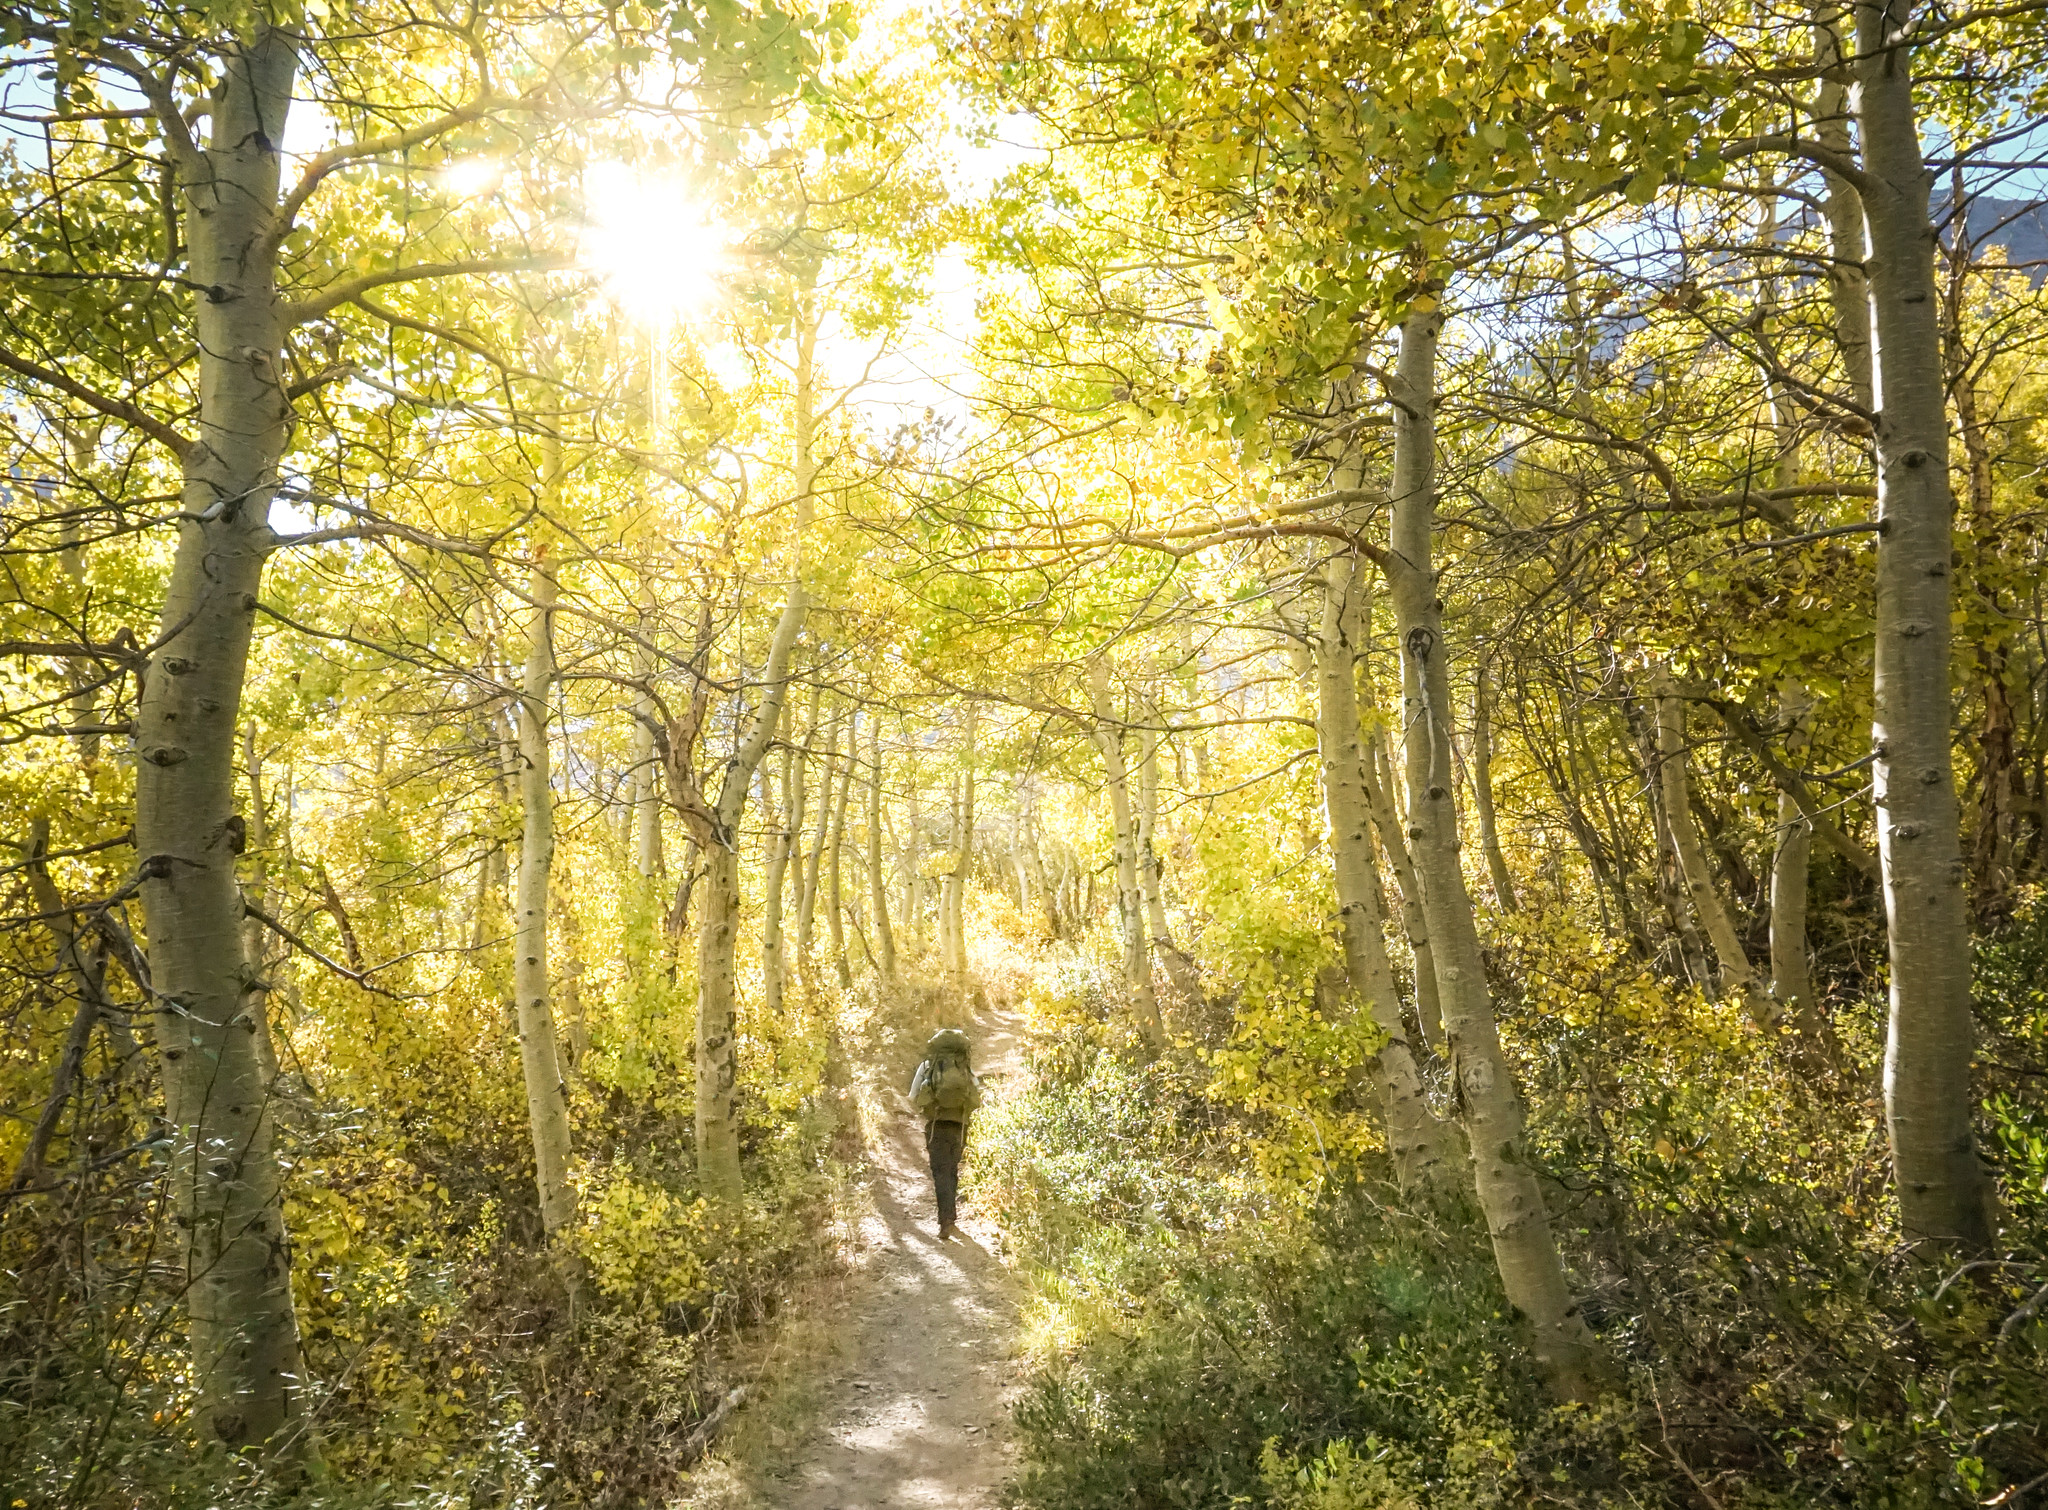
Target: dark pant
945 1142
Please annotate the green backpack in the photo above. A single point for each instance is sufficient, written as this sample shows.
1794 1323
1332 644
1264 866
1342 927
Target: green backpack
946 1088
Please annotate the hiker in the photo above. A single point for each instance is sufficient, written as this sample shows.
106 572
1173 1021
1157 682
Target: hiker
945 1093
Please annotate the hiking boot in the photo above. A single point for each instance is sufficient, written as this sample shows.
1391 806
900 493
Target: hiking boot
947 1232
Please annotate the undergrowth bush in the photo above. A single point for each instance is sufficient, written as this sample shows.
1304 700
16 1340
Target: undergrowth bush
446 1365
1206 1333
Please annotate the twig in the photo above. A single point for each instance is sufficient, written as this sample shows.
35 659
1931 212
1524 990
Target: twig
360 977
2027 1311
1678 1457
2007 1496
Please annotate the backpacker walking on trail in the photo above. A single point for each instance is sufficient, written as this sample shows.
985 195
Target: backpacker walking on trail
945 1093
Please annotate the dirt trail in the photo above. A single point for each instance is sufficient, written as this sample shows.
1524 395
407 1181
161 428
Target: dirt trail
919 1416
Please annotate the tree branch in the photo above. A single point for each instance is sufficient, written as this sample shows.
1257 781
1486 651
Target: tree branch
299 311
395 141
113 408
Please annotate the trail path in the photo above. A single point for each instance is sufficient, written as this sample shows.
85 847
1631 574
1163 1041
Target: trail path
919 1417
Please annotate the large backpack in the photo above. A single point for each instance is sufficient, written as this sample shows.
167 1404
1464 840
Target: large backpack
948 1091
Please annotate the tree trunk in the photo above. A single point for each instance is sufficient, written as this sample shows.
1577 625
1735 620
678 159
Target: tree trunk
1944 1196
878 889
948 880
224 1178
1791 980
646 782
807 898
1572 1361
1130 901
1034 863
718 1132
84 980
953 896
1738 975
835 845
1418 1141
717 1090
1413 918
774 882
1482 788
1848 251
913 860
1180 965
547 1102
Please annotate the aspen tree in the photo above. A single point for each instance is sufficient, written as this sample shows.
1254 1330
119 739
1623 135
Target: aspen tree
1418 1141
716 822
1482 788
1945 1197
1130 899
814 857
1573 1363
227 1194
1738 975
878 888
547 1102
835 846
775 882
1180 965
1791 979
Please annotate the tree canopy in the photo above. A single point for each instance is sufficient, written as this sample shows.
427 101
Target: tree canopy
1446 601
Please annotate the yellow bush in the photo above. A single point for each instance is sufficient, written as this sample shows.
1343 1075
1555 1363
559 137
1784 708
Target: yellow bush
641 1242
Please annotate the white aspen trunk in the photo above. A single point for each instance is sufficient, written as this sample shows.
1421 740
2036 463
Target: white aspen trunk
774 978
547 1101
1034 862
646 782
1738 976
1130 902
1848 247
949 882
1482 790
1945 1198
1504 1177
913 857
717 1109
1180 966
835 846
878 887
807 895
1692 950
794 788
1417 1140
1412 916
717 1089
954 896
1784 417
1791 979
224 1184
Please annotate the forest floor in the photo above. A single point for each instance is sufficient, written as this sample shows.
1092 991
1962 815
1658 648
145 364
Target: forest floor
910 1407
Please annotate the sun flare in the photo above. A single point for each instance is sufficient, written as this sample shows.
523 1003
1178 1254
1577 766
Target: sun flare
660 255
